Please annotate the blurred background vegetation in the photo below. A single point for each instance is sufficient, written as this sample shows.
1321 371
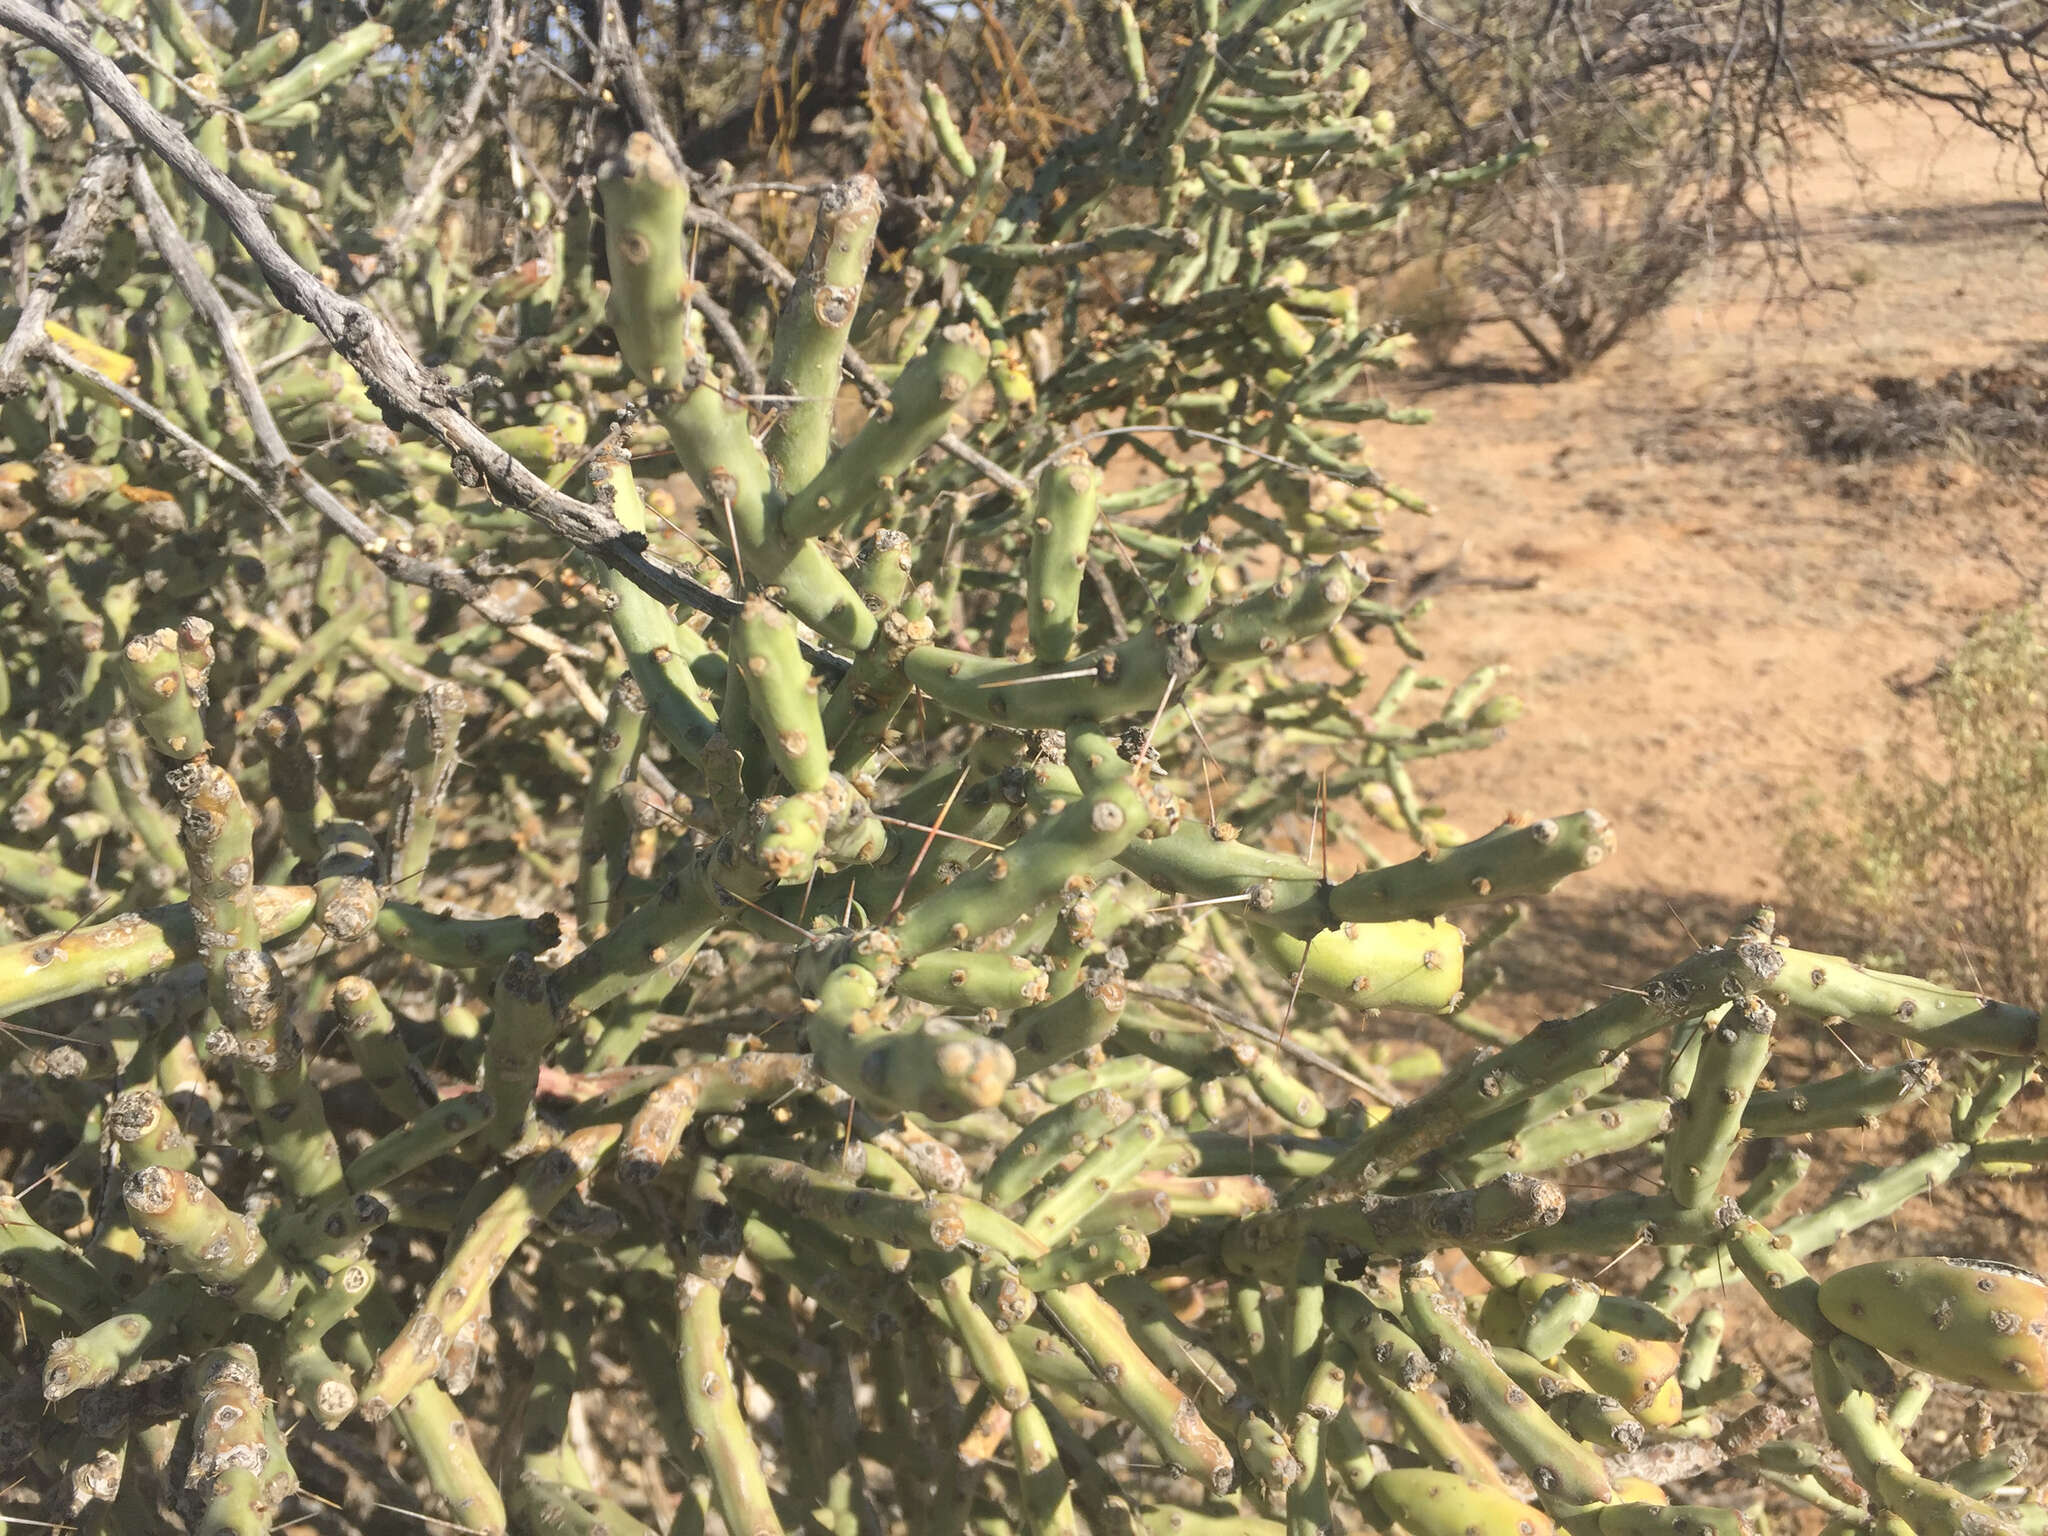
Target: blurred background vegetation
1675 127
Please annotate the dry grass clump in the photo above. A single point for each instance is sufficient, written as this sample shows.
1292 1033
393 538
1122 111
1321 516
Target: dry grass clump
1938 863
1996 417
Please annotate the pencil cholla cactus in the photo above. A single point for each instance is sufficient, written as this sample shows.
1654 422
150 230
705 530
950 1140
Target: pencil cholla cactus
830 1033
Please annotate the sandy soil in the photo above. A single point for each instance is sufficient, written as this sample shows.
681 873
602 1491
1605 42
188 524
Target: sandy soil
1719 624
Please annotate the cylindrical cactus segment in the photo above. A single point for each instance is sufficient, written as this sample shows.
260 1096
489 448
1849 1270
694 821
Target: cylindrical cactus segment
959 978
1048 1033
1062 520
1937 1017
1517 859
102 1352
1853 1098
464 1286
432 741
317 1379
645 199
153 676
238 1469
1112 1163
1071 843
811 336
940 1072
658 649
524 1024
178 1214
935 385
1168 1417
1709 1119
782 693
373 1040
1417 967
1042 1145
147 1132
1555 1460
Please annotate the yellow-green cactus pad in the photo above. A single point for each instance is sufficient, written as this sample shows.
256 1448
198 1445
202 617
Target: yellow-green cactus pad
1968 1320
1427 1503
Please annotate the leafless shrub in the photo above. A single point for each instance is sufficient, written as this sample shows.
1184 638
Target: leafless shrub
1676 129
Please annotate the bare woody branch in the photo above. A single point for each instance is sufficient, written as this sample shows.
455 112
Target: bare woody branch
396 381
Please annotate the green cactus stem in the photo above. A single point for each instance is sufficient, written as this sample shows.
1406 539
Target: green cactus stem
928 392
464 1284
1552 1051
1707 1121
1062 522
1852 1099
1823 986
431 743
153 677
148 1133
177 1213
523 1026
1431 1503
1560 1465
239 1470
1389 1228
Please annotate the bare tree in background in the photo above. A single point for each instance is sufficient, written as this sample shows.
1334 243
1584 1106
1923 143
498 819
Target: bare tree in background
1675 130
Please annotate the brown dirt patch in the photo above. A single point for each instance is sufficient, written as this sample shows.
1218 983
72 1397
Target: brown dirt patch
1720 621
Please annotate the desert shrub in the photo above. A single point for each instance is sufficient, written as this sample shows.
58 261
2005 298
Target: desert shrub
1676 132
1434 300
1996 417
1937 860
